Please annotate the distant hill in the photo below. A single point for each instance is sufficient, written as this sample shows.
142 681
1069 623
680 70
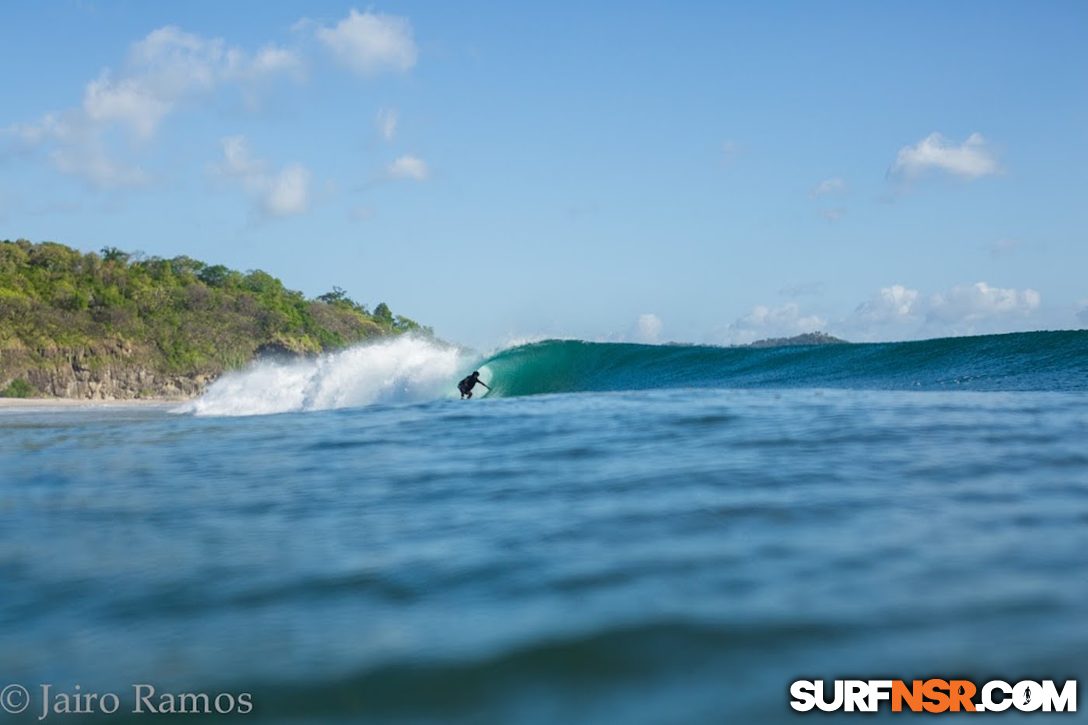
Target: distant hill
809 338
118 325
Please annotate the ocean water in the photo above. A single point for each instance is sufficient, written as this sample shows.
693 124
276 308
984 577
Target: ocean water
617 533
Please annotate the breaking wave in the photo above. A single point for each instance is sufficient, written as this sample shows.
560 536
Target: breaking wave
409 369
402 369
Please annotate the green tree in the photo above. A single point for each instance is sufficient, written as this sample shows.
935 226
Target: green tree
113 254
169 316
18 388
383 314
214 276
336 295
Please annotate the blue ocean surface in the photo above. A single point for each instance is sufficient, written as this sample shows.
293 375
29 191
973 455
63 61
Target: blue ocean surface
617 533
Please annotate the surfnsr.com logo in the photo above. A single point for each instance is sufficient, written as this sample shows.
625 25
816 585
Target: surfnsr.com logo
933 695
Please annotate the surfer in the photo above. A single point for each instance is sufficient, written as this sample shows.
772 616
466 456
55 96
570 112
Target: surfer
466 385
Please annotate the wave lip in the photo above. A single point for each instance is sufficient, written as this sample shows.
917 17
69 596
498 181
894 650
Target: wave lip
404 369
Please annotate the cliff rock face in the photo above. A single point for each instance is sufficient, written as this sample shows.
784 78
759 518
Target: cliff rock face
102 373
114 384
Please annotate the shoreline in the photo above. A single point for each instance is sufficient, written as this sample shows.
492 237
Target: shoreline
11 403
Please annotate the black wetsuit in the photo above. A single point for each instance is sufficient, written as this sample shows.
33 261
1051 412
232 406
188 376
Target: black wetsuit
466 385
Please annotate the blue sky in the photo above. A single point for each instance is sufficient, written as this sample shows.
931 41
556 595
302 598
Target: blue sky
710 172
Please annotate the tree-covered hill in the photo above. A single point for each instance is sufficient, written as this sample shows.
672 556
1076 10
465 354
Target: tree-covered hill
120 325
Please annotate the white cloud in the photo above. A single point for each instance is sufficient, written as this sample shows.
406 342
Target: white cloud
891 304
288 192
127 102
93 164
899 312
165 69
648 329
276 194
169 66
74 147
386 121
970 160
237 159
763 322
181 62
833 215
965 306
828 186
408 167
369 43
892 313
30 135
170 63
272 60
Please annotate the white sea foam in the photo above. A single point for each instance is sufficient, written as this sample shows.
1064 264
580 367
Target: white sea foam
401 369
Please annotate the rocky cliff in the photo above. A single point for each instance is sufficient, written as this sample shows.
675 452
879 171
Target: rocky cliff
111 371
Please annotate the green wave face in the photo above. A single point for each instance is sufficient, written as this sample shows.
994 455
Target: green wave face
1019 361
